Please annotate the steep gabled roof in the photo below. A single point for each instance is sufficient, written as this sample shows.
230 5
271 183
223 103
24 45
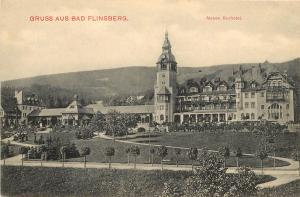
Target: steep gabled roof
46 112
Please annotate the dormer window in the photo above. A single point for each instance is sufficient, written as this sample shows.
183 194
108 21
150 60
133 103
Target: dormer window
207 89
253 85
222 88
193 90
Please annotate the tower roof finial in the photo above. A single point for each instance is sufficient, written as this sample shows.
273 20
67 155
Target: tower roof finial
166 34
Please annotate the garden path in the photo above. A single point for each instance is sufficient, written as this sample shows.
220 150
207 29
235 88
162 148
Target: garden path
283 175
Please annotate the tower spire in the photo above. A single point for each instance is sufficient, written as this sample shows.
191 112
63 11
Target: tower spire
167 44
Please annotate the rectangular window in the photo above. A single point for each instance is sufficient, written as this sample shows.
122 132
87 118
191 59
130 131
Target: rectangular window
246 105
252 94
253 105
262 94
287 106
262 107
246 95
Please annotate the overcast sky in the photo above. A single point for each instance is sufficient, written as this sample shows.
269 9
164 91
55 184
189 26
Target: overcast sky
267 31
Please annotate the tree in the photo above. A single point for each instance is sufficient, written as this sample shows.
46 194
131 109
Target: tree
177 153
211 179
43 152
127 150
114 124
135 151
172 188
203 155
23 150
238 155
261 154
208 180
152 152
245 183
109 152
162 152
193 154
84 152
4 152
97 123
63 151
225 153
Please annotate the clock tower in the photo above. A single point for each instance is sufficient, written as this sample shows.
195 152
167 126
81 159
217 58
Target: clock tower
165 89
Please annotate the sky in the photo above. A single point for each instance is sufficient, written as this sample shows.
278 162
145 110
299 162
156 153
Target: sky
266 31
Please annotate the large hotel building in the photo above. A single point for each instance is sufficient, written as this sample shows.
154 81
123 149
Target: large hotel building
218 100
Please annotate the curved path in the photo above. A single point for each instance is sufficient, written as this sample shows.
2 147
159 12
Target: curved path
283 174
11 141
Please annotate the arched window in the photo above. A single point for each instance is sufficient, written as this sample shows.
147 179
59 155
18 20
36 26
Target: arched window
247 116
275 111
161 117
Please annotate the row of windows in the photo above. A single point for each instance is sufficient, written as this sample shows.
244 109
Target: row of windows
247 105
251 95
163 98
275 83
207 88
248 116
287 106
162 107
24 107
207 98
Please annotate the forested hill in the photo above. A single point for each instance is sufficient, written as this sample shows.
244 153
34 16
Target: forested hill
98 84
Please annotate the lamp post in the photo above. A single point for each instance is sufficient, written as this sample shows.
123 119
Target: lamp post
149 141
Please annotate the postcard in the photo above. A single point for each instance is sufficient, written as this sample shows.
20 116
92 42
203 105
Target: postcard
155 98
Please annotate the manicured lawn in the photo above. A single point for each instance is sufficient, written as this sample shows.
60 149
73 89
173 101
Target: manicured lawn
28 181
98 146
248 142
48 182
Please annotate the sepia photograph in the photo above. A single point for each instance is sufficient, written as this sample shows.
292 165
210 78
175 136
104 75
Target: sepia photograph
162 98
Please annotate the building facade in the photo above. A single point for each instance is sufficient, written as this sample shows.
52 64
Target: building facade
27 104
165 88
219 100
74 115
